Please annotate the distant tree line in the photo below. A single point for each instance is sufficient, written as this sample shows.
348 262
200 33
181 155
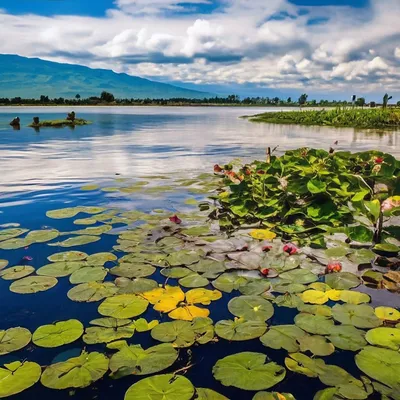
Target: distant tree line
107 98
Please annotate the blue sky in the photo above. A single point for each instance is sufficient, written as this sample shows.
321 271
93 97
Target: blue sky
329 48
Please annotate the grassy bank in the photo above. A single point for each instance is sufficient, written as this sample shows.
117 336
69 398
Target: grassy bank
60 123
340 117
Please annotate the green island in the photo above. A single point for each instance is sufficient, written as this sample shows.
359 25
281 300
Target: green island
338 117
60 123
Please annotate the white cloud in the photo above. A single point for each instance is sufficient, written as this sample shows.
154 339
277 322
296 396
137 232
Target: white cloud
239 43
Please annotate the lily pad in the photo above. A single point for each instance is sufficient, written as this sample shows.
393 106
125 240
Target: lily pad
77 372
92 291
106 330
229 281
288 287
183 257
123 306
384 337
139 285
208 394
273 396
33 284
175 272
99 259
353 297
76 241
299 276
59 334
208 268
193 280
42 236
283 337
262 234
67 256
92 231
387 313
248 371
17 272
315 309
88 274
6 234
70 212
342 280
251 308
17 377
13 339
302 364
240 329
134 360
360 316
254 287
127 270
347 337
316 324
60 269
166 387
3 264
316 344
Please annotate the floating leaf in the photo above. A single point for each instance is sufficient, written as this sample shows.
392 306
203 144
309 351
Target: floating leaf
382 365
288 287
92 291
316 324
193 280
302 364
387 313
92 231
127 270
384 337
318 345
17 272
90 187
14 339
134 360
360 316
42 236
139 285
99 259
33 284
6 234
60 269
255 287
3 264
347 337
251 308
70 212
299 276
59 334
208 394
288 300
77 372
262 234
165 387
123 306
141 325
315 310
239 329
77 241
67 256
342 280
183 257
208 268
107 330
17 377
175 272
88 274
314 297
229 281
352 297
273 396
283 337
248 371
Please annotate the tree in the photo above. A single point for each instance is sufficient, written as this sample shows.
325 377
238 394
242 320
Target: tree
398 104
289 100
386 99
303 99
44 99
360 102
107 97
78 96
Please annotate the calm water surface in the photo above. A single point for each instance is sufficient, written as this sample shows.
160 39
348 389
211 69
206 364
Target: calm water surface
44 170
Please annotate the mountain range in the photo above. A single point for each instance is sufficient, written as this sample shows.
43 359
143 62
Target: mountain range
32 77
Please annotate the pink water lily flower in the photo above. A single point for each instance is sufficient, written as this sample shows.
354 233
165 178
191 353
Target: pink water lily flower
27 258
175 219
290 248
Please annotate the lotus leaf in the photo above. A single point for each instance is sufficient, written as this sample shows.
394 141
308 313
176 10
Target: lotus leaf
239 329
134 360
141 325
139 285
33 284
77 372
387 313
88 274
17 272
67 256
208 394
361 316
342 280
229 281
273 396
14 339
248 371
347 337
352 297
318 345
77 241
251 308
255 287
288 300
60 269
59 334
302 364
384 337
316 324
183 257
100 258
299 276
123 306
380 364
133 270
315 310
283 337
92 291
288 287
106 330
165 387
175 272
17 377
262 234
193 280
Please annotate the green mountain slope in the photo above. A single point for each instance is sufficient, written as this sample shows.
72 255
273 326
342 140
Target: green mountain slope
33 77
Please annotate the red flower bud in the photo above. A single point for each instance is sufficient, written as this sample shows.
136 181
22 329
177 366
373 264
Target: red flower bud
265 272
290 249
332 267
378 160
266 248
175 219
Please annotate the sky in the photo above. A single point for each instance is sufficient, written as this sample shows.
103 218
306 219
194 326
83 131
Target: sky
326 48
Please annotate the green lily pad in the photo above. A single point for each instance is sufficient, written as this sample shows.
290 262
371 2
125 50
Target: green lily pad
315 309
302 364
17 272
76 241
208 394
248 371
347 337
299 276
123 306
70 212
60 269
384 337
17 377
13 339
210 269
251 308
360 316
175 272
6 234
14 244
77 372
33 284
3 264
193 280
387 248
379 364
141 325
240 329
127 270
92 291
289 300
288 287
85 221
42 236
283 337
67 256
99 259
183 257
352 297
229 281
165 387
59 334
273 396
139 285
316 344
134 360
88 274
106 330
342 280
316 324
92 231
254 287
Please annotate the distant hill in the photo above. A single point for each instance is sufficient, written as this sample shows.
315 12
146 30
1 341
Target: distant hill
33 77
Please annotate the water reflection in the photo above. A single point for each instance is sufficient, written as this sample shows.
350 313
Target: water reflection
136 141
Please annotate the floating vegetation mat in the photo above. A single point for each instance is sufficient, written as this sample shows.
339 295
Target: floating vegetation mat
289 300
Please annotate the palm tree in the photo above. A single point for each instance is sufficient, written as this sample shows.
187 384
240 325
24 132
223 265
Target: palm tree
386 99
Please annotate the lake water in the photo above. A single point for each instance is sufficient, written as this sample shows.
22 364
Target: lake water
43 170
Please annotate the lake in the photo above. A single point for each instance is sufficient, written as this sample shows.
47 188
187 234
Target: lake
45 170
